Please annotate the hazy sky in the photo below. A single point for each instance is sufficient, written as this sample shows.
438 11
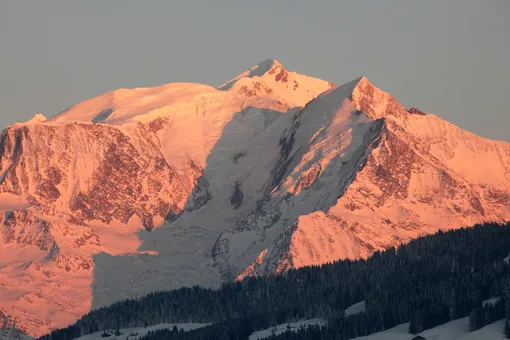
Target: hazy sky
448 57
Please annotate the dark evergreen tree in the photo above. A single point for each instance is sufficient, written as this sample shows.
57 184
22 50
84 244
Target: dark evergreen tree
475 321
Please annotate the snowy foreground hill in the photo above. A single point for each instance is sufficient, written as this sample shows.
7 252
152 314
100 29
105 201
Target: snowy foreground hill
148 189
453 330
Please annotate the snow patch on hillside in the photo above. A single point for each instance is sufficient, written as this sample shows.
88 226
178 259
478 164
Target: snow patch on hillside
356 308
293 326
453 330
490 301
137 332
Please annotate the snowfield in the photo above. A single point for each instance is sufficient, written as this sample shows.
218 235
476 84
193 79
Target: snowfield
292 326
137 332
356 308
453 330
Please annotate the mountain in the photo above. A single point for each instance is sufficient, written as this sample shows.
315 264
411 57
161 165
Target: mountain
375 176
147 189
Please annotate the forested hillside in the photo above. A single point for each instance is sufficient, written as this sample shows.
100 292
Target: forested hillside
426 282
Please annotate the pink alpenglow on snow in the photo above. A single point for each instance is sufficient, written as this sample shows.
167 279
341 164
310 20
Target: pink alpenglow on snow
149 189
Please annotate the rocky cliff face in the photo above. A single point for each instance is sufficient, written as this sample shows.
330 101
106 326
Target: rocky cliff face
182 184
417 174
88 171
409 185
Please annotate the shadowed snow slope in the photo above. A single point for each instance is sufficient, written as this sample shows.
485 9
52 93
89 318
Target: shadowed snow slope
138 332
453 330
140 190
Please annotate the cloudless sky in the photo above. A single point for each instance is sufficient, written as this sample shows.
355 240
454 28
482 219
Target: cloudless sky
448 57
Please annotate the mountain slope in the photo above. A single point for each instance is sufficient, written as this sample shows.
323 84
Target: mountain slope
415 174
139 190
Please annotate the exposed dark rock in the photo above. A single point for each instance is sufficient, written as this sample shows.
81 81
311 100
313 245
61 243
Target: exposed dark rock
308 178
173 214
415 111
238 156
286 144
157 124
498 196
477 204
281 76
237 196
258 88
200 195
256 221
24 229
48 190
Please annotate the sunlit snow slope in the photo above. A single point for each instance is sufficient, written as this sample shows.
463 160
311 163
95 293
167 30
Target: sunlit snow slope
147 189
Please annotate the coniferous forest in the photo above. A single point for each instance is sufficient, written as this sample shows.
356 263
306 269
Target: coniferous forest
427 282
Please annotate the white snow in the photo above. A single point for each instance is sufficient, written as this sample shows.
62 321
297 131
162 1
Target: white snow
294 326
453 330
356 308
137 332
123 106
36 119
491 301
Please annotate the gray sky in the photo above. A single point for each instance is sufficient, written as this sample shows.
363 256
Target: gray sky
448 57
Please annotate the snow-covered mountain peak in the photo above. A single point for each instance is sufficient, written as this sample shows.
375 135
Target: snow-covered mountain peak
269 65
270 78
36 119
39 117
364 97
123 106
373 101
258 70
267 82
277 170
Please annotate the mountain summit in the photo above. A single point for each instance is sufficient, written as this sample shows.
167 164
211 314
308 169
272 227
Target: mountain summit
148 189
268 66
269 77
